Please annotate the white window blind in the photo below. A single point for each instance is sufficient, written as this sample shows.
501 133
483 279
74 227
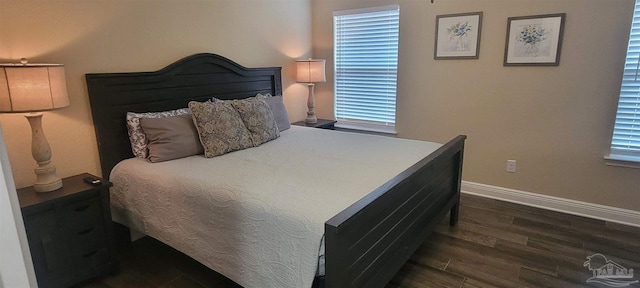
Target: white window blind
366 66
625 143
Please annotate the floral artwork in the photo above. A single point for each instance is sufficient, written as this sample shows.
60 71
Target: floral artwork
530 36
458 36
534 40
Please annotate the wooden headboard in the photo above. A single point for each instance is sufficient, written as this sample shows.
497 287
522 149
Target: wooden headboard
194 78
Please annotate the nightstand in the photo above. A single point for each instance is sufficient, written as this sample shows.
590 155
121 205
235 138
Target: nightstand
69 231
322 123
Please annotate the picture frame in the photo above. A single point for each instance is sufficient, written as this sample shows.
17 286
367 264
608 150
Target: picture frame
534 40
458 36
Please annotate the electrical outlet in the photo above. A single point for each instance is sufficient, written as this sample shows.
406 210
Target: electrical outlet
511 166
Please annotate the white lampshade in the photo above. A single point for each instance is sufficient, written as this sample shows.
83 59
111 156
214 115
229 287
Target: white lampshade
310 71
35 88
32 87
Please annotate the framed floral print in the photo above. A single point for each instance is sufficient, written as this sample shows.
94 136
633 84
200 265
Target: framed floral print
534 40
458 36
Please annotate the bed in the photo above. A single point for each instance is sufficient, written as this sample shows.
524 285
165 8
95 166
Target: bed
366 242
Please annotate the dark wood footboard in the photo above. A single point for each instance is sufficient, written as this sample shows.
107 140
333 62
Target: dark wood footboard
367 243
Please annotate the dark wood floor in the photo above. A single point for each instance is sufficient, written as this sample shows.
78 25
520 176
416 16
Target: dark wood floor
495 244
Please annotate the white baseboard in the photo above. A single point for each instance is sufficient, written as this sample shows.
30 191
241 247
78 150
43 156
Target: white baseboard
596 211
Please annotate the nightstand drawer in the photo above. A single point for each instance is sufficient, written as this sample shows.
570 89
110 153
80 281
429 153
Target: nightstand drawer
93 258
90 239
83 214
91 263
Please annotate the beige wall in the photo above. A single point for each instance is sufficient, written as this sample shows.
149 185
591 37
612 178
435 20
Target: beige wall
118 36
555 121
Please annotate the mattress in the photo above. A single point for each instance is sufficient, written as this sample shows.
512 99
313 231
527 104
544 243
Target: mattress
257 215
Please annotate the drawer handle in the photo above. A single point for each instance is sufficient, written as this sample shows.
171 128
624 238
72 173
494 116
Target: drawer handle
82 208
87 255
86 231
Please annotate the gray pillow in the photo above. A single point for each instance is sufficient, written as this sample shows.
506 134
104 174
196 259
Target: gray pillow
258 118
171 137
136 135
220 128
279 111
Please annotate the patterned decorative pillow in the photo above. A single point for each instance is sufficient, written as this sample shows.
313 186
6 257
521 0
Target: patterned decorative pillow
258 118
220 128
279 111
137 137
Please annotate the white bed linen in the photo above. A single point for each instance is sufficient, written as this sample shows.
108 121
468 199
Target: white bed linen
257 216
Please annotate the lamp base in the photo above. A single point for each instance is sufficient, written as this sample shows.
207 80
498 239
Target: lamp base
311 103
311 119
46 179
48 187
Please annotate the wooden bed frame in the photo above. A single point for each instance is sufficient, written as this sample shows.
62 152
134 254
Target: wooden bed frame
368 242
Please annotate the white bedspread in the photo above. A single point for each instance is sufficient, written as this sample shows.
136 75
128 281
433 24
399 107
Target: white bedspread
257 215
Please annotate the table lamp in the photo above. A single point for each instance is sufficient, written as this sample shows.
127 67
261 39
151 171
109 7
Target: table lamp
33 88
311 71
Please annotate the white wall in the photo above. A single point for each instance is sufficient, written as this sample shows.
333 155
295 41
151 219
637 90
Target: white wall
16 267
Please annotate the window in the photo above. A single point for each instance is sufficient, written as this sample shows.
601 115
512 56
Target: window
625 143
366 67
